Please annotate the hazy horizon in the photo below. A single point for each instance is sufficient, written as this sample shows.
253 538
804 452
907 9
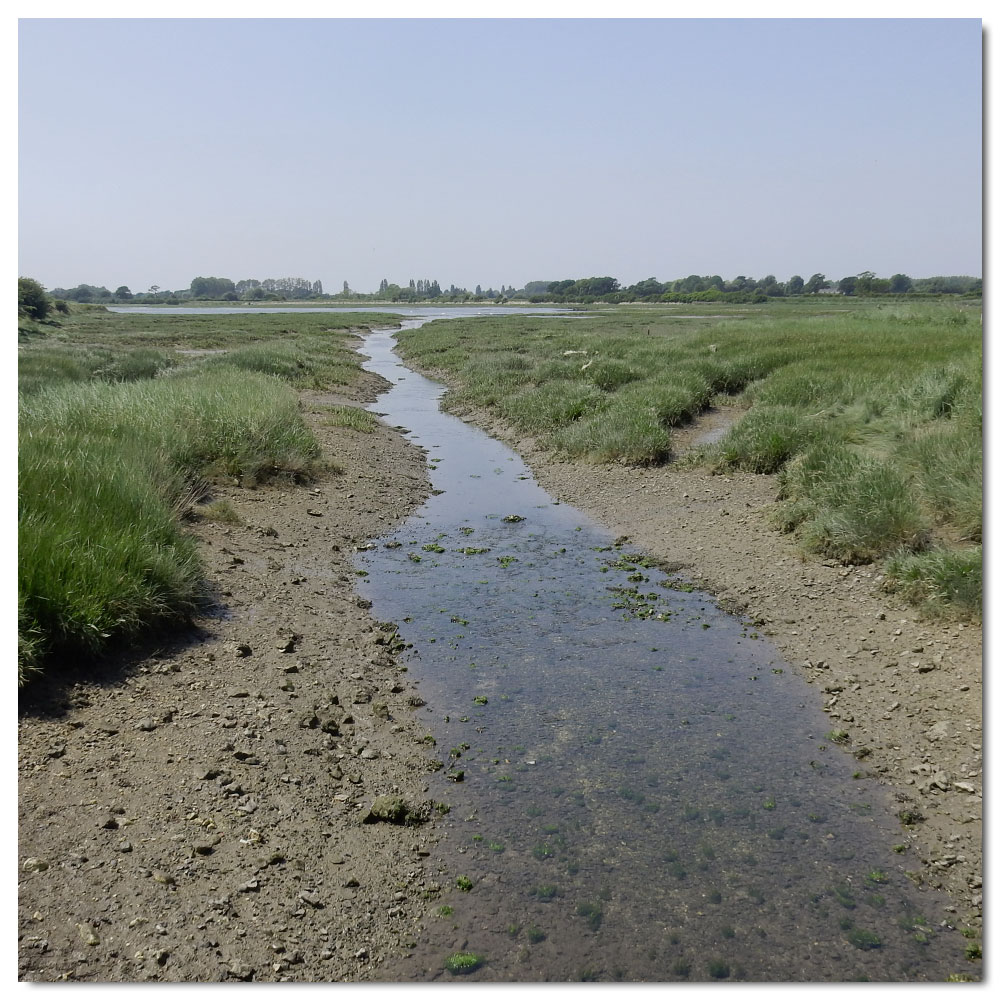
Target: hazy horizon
496 152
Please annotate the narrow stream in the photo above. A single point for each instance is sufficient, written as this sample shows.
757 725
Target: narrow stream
640 789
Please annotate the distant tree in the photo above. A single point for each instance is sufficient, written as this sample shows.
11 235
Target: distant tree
84 293
815 283
31 299
317 287
795 285
211 288
383 286
347 288
122 292
863 286
900 283
847 285
479 289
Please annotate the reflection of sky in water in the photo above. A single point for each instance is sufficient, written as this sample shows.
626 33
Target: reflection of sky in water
634 741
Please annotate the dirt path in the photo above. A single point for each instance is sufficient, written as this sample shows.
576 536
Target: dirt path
196 813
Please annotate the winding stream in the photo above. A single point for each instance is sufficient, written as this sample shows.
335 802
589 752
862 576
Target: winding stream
640 789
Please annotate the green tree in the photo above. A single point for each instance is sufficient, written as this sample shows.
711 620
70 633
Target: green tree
31 299
865 283
815 283
795 285
122 292
900 283
211 288
847 285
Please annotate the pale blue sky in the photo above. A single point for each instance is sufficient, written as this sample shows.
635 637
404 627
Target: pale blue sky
497 151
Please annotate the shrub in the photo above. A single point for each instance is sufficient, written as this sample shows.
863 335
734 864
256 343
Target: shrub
32 301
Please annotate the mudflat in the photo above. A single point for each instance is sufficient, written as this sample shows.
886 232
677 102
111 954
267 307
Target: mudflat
198 811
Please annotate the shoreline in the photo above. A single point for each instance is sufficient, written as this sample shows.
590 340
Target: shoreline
194 813
908 691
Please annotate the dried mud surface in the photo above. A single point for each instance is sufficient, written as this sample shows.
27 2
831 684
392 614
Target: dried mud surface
195 813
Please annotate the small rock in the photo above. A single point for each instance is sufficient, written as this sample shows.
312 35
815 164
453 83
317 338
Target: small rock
242 649
311 899
204 847
146 725
164 878
34 865
394 809
87 934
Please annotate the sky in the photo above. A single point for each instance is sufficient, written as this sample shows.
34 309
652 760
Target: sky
496 151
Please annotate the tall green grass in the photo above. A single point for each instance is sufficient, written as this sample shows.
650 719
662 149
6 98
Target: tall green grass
104 470
116 437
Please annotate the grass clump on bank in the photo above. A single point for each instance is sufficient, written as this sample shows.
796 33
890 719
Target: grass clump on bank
115 442
104 472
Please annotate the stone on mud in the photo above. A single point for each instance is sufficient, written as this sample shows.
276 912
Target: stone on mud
395 809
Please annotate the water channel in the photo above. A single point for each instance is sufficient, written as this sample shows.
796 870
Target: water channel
640 789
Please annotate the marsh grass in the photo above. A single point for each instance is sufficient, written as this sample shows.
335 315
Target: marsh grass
939 581
870 413
118 433
352 417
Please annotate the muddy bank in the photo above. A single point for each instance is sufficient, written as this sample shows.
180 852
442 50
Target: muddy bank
196 814
907 692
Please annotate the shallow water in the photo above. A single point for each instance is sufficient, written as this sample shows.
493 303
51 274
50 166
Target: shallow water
648 793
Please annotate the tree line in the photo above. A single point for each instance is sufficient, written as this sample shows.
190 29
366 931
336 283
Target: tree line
693 288
713 288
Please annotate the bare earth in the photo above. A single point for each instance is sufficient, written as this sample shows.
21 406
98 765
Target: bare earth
196 813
